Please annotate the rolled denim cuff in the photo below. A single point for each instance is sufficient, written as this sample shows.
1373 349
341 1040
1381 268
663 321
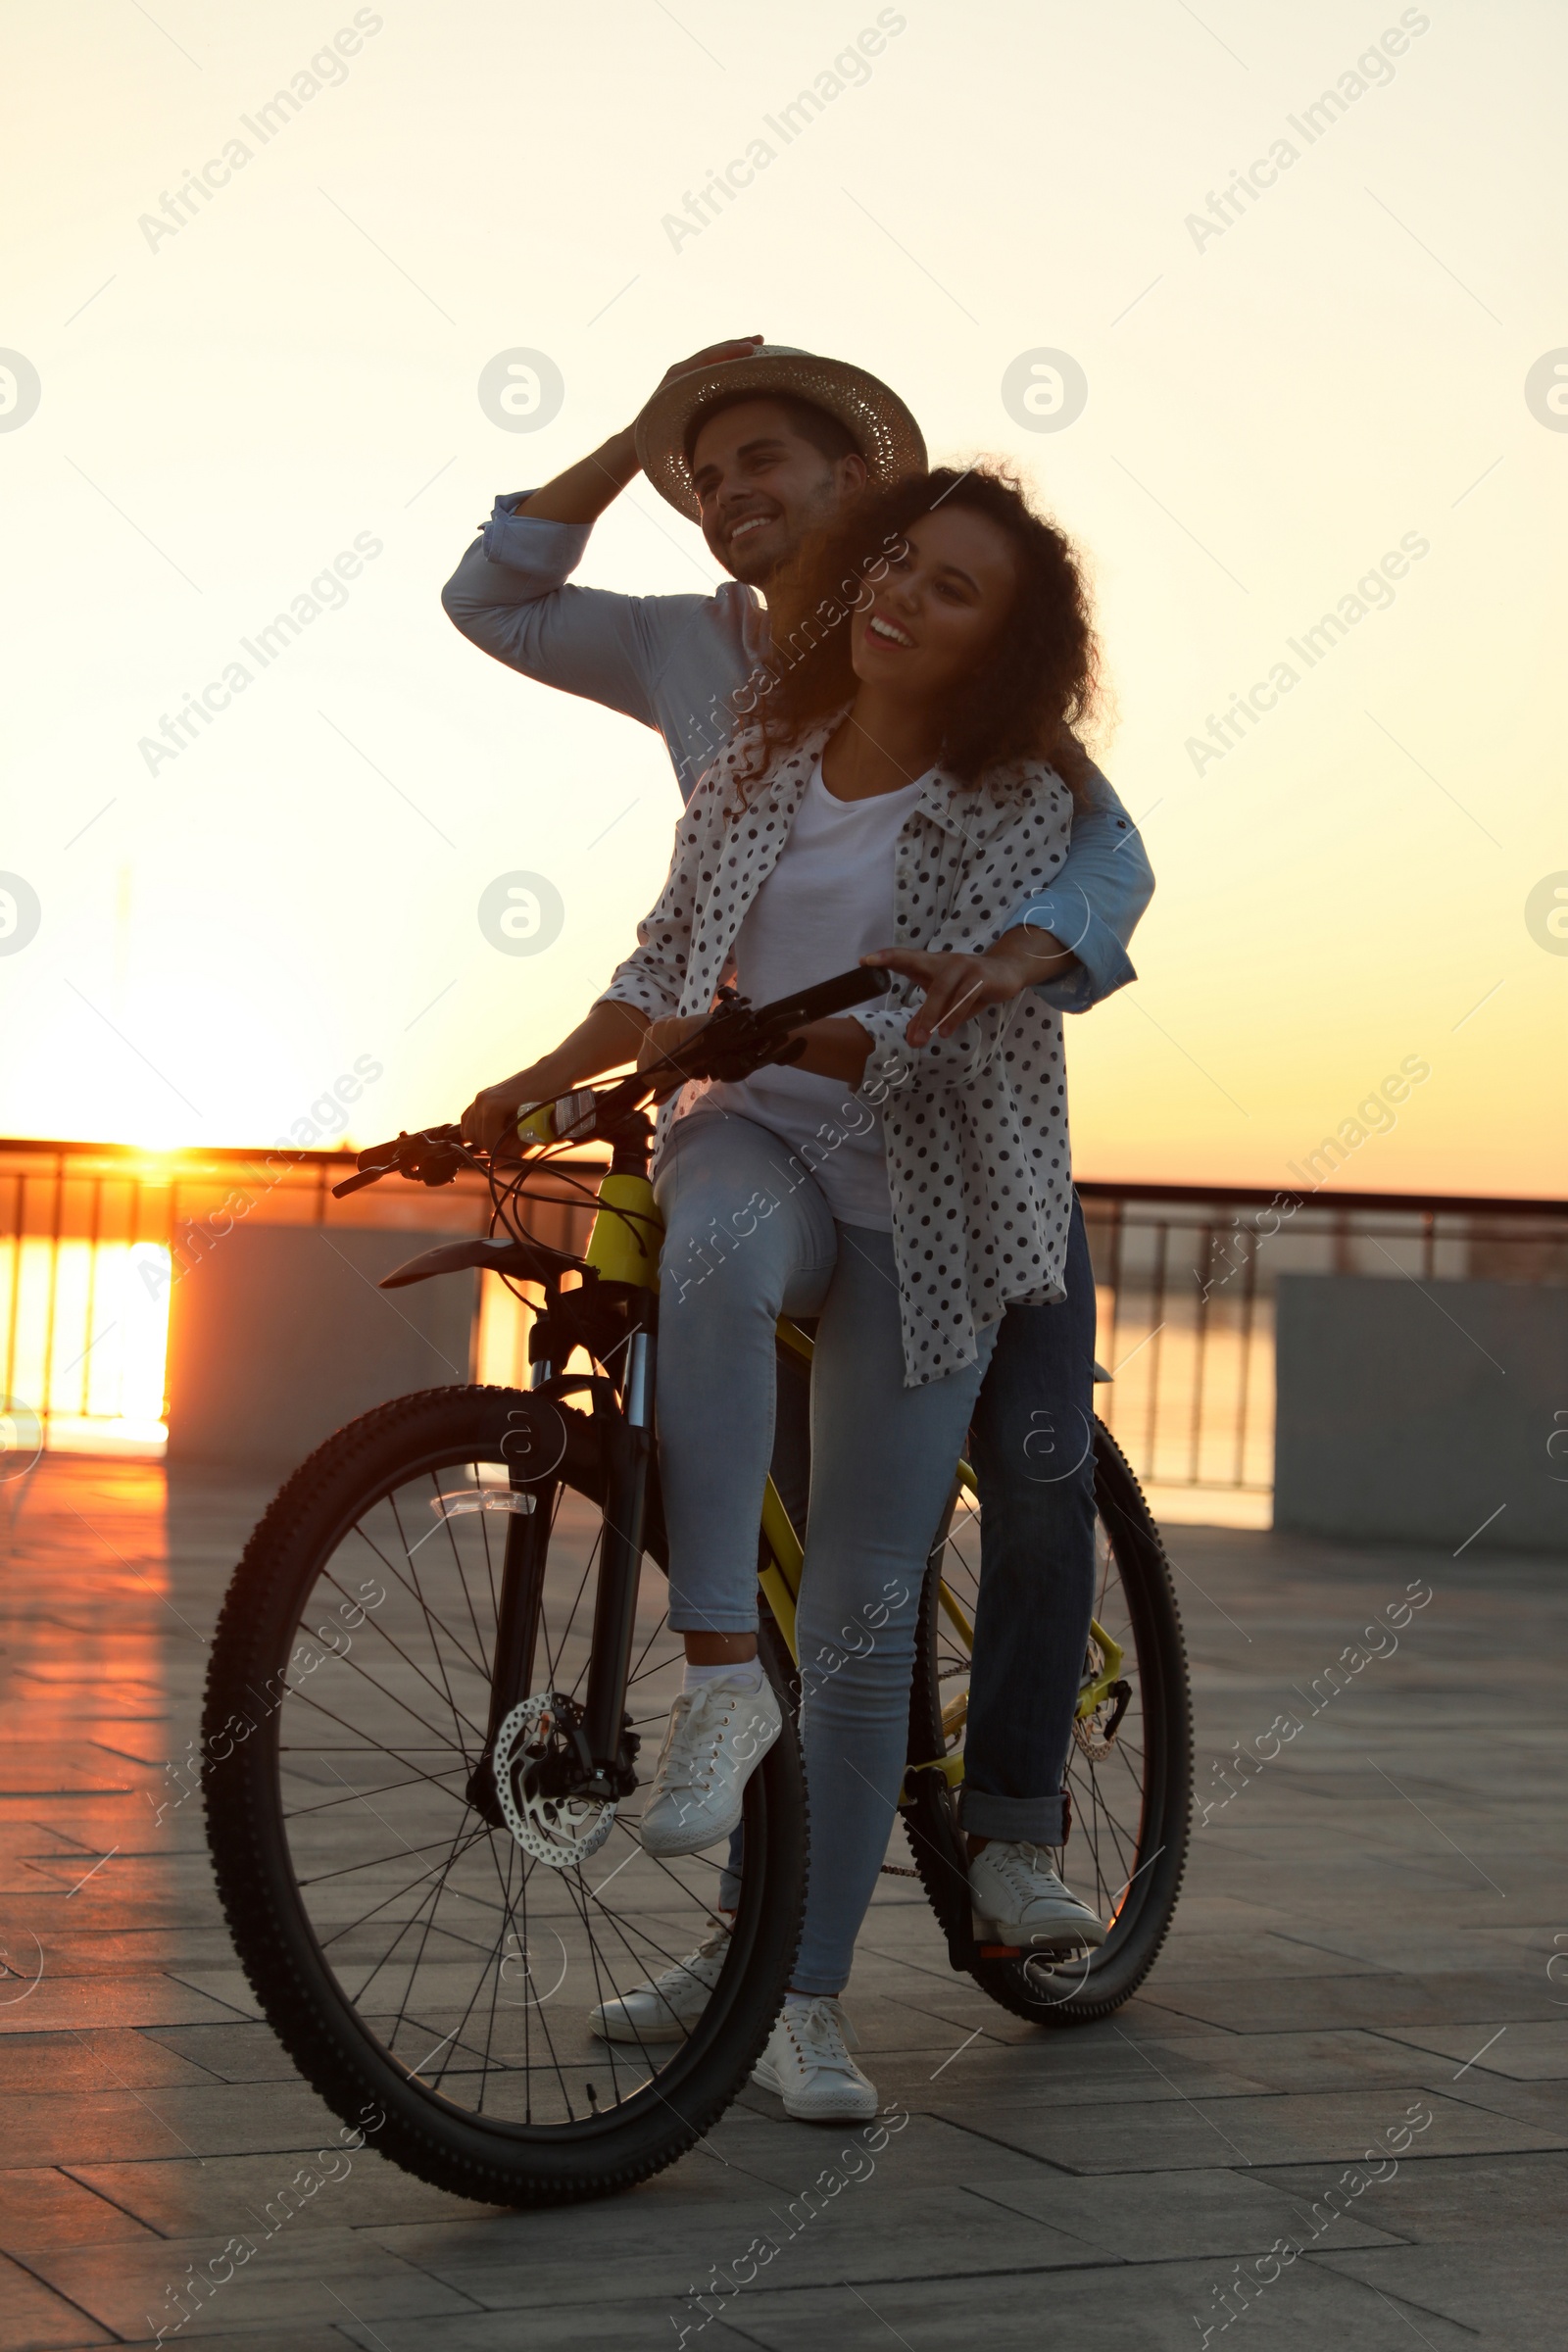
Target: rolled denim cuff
1104 964
547 553
1017 1820
685 1618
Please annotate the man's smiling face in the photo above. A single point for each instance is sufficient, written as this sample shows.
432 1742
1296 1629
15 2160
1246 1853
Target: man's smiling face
762 487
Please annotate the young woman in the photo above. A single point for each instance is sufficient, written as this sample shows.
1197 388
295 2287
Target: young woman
903 1188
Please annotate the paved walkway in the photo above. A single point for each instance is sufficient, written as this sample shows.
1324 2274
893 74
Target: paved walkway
1363 1961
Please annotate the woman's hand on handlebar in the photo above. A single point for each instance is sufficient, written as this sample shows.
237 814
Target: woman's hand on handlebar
494 1108
668 1036
604 1041
957 987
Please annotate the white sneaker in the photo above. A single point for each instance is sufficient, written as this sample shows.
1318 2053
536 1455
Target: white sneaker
718 1737
807 2063
667 2008
1020 1900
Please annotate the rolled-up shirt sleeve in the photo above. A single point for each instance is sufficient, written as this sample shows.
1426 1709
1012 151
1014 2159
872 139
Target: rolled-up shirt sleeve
1095 903
508 596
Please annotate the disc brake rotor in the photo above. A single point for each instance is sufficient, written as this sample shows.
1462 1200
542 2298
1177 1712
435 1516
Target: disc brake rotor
534 1757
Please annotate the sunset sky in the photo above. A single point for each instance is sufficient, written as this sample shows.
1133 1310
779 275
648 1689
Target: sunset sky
1345 359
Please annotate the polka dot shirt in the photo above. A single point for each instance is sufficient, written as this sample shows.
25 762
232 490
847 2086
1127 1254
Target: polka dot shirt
976 1124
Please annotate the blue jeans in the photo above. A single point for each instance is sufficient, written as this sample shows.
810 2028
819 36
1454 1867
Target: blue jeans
749 1236
1028 1443
1032 1446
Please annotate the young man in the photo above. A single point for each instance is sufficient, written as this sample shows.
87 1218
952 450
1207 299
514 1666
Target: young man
759 445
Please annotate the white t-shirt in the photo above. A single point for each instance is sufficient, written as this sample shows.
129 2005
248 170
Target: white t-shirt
828 903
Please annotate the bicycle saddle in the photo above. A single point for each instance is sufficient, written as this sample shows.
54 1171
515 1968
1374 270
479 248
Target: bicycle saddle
524 1260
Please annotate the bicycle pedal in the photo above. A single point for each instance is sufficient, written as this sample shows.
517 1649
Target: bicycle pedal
1054 1950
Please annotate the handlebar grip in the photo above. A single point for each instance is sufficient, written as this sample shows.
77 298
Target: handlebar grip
356 1184
570 1118
539 1127
826 997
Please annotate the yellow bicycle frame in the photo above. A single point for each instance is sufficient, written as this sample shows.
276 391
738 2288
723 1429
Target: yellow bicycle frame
623 1247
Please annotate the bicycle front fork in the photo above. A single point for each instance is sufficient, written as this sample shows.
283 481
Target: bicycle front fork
629 1442
599 1730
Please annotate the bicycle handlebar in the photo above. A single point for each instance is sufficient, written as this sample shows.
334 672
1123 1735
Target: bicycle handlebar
736 1040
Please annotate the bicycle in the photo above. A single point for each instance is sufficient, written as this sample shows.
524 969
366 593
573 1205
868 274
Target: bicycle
458 1695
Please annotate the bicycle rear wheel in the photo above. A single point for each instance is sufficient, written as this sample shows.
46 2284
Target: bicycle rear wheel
420 1964
1129 1774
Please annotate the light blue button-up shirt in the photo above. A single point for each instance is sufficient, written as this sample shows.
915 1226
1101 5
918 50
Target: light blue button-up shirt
675 664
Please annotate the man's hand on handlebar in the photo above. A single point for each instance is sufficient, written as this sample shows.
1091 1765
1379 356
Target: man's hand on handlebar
957 987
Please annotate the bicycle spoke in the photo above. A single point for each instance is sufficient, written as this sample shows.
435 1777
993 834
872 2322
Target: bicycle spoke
443 1691
407 1587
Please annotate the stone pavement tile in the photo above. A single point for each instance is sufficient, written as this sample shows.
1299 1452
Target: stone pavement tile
132 2287
1526 2051
770 2150
627 2325
1342 2059
86 2061
116 2126
1377 2001
1505 2286
1156 2307
982 2073
47 2207
936 2232
121 1949
1209 1910
44 1768
229 1986
240 2050
1458 2203
1126 2055
296 2338
1456 1949
1153 2217
1541 2103
1267 1953
82 2003
180 2198
1181 2134
38 2319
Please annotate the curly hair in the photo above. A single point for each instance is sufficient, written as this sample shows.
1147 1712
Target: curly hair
1035 686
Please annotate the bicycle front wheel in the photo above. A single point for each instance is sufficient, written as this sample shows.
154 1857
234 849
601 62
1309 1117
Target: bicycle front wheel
1129 1767
438 1983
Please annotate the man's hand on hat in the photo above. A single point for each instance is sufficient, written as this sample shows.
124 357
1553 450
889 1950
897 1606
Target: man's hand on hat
580 493
743 347
621 453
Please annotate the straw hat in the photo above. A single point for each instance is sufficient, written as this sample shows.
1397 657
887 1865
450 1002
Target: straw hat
885 432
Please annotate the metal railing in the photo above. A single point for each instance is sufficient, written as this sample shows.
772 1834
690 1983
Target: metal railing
93 1238
1187 1276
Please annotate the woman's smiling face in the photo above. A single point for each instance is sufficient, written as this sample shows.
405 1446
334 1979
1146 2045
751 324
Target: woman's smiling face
939 608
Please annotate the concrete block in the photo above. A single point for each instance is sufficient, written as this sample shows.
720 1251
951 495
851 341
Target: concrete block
277 1335
1410 1413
